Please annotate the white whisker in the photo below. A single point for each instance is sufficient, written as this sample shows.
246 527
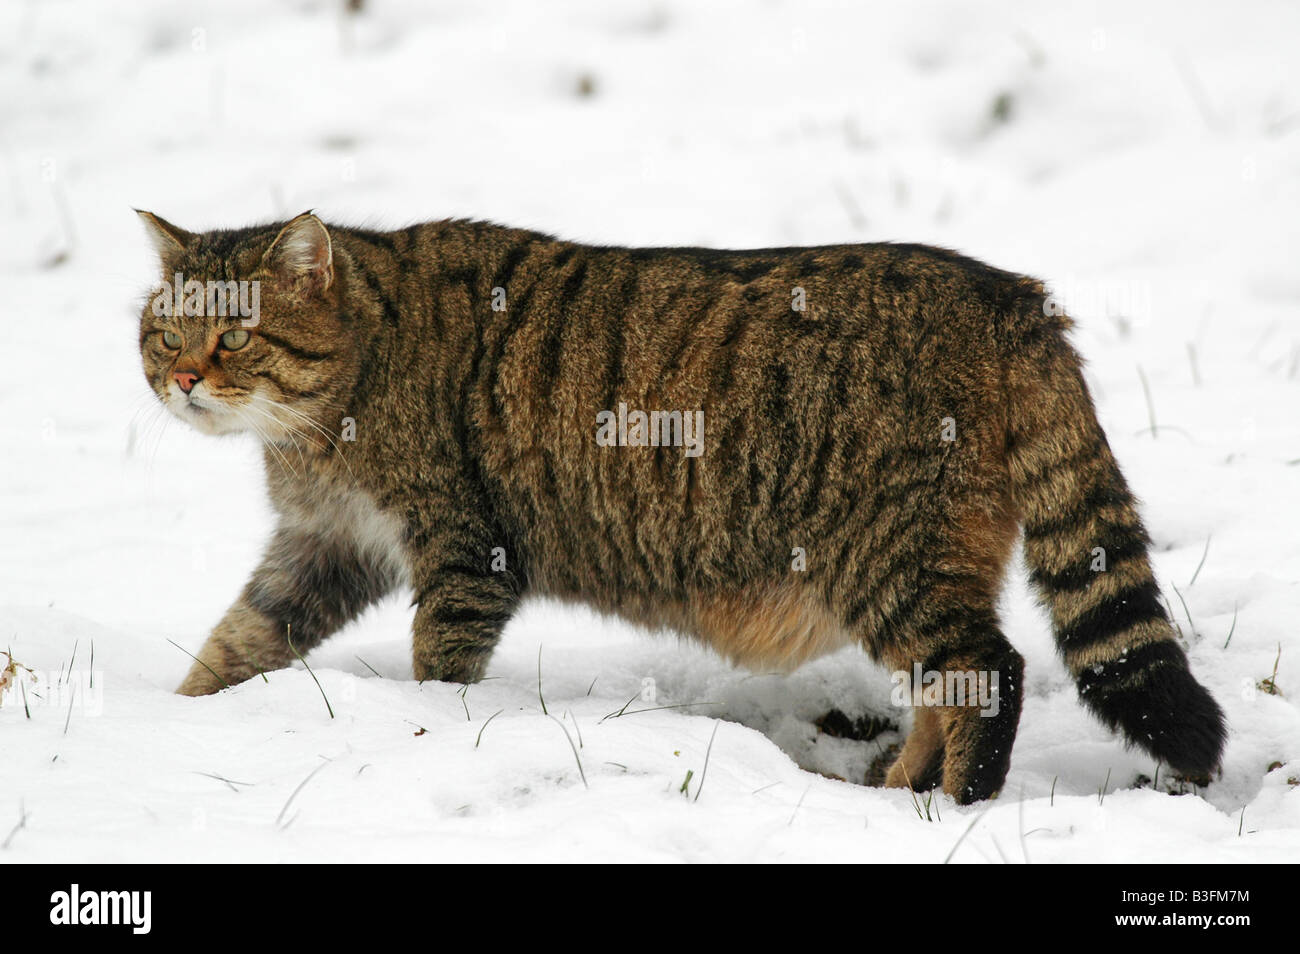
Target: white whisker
293 432
253 426
298 415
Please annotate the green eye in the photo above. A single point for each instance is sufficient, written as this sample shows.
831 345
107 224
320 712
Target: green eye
172 340
234 339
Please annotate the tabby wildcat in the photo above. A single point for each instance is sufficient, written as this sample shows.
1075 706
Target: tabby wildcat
878 422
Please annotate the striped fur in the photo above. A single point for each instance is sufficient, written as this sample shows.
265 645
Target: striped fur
475 475
1110 625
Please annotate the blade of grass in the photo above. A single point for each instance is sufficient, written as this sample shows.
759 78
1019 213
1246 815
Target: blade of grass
704 772
1202 563
615 715
576 728
1190 622
576 758
798 805
22 823
301 785
1151 407
972 824
479 738
683 705
288 634
539 681
199 661
1173 617
72 698
916 804
221 778
1233 628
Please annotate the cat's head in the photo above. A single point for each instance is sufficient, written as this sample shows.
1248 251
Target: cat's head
245 331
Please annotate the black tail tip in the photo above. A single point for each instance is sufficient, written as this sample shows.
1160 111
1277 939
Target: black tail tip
1155 701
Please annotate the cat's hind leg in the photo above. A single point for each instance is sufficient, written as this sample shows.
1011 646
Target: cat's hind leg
920 765
967 705
925 606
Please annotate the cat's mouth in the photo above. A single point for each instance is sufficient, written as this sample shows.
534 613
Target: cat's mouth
205 414
245 414
201 406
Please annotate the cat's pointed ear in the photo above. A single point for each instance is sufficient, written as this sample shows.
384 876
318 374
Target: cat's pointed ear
303 250
168 240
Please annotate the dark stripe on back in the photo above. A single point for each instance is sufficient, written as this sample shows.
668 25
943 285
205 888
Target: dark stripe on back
727 349
516 316
386 303
552 348
615 319
509 264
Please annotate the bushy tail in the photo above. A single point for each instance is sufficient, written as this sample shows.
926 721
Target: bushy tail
1087 550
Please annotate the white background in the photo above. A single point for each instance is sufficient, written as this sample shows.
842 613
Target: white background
1145 164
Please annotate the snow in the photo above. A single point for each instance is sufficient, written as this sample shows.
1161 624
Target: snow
1144 161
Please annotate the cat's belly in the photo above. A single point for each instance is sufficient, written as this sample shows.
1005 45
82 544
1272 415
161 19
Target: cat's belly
768 627
763 627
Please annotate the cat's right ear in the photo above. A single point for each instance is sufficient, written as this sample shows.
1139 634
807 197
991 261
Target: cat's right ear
168 240
303 250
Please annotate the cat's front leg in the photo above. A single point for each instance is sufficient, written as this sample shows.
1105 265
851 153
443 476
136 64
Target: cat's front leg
464 594
308 585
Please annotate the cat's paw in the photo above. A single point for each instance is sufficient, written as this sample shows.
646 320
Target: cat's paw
201 682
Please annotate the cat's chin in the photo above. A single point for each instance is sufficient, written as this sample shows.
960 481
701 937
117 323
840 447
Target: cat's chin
208 420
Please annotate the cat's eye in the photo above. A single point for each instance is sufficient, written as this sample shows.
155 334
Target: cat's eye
234 339
172 340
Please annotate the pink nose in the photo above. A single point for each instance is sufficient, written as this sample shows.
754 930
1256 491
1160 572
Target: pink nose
187 380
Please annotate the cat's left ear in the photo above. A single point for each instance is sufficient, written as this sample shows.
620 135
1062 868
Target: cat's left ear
303 250
168 240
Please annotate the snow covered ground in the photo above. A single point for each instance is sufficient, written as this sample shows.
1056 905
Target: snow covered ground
1146 164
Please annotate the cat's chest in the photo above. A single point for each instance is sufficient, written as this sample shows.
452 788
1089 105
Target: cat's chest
341 511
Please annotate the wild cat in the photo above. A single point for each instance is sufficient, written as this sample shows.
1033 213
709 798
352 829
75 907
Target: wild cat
464 408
